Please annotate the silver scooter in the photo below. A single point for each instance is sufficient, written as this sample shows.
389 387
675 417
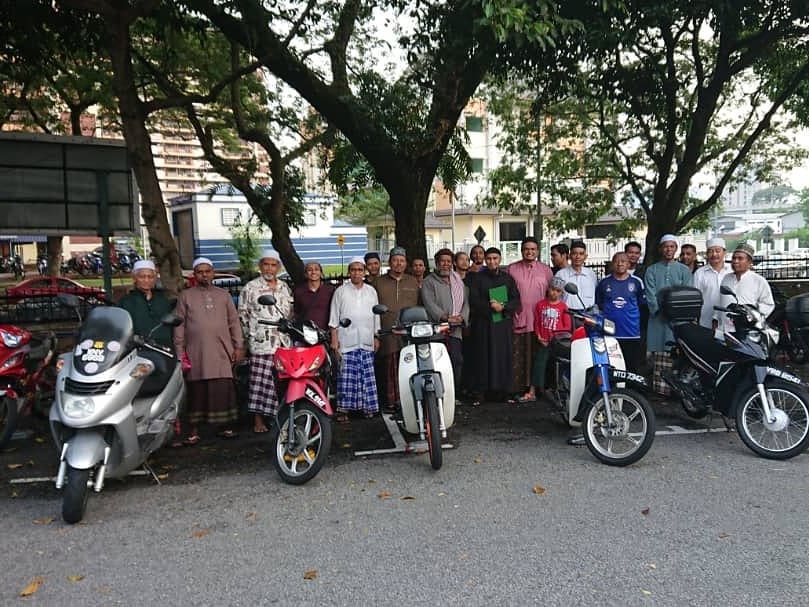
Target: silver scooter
117 397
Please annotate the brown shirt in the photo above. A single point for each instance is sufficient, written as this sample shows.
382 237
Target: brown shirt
210 332
397 295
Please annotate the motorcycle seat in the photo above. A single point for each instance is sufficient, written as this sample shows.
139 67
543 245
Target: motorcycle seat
560 345
159 378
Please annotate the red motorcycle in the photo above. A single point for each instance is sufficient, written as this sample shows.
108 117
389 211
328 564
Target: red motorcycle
27 377
301 432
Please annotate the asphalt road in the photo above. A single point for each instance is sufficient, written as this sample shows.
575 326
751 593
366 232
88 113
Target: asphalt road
515 516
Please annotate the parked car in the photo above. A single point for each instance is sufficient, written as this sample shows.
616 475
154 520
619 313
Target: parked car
43 286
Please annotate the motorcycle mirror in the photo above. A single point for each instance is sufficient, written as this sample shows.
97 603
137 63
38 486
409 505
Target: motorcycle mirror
380 309
726 290
571 288
345 322
68 300
266 300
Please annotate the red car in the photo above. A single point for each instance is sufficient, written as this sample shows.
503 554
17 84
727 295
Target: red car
42 286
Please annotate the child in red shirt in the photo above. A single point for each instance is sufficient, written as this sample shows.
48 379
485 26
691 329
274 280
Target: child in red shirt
550 317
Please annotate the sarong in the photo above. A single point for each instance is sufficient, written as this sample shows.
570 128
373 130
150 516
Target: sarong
263 398
356 390
211 401
525 347
662 362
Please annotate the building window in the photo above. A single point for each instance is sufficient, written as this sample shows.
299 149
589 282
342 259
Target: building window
512 231
309 217
230 216
474 124
477 165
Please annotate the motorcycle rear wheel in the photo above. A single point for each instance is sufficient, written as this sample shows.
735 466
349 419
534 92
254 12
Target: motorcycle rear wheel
775 443
76 492
633 435
311 446
8 419
432 424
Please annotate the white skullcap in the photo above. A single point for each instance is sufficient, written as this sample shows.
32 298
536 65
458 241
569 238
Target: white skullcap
201 260
669 238
270 254
715 242
357 259
144 264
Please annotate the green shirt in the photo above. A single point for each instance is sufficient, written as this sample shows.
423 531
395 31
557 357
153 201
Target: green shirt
147 313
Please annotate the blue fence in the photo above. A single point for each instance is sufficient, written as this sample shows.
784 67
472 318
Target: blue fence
324 250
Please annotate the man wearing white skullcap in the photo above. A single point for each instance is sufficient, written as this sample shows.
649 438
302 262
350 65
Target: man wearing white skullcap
708 279
147 305
263 340
665 273
356 344
211 339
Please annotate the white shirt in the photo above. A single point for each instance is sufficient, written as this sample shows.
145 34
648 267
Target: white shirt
708 280
586 281
356 304
751 288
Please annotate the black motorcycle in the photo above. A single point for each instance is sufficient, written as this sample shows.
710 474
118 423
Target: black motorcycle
791 318
735 376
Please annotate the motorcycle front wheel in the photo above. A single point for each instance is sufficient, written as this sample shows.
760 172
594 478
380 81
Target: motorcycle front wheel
784 437
8 419
433 427
76 491
632 431
300 457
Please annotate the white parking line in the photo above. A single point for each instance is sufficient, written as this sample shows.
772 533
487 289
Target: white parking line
52 479
400 444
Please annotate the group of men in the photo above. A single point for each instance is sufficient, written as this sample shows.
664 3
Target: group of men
502 320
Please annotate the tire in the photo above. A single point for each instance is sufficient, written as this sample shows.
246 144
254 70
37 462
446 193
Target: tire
775 443
432 423
8 419
635 432
74 499
312 426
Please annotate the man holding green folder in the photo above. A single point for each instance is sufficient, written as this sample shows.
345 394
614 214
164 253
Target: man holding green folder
493 300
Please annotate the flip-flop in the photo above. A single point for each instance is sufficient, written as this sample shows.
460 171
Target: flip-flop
192 440
227 434
525 398
261 430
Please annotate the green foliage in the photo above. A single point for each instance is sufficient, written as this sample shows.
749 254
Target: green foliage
365 206
802 234
245 240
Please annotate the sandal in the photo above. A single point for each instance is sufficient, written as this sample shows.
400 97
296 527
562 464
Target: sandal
192 440
227 434
525 398
367 415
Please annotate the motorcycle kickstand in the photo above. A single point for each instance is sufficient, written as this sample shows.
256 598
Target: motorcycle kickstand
151 471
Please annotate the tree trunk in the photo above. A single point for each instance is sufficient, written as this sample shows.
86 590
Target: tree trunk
661 220
139 144
409 204
54 252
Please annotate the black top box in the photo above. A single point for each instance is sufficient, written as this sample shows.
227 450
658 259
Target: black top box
680 304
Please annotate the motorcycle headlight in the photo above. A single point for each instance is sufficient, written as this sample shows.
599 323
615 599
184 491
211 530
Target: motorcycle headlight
78 407
421 330
310 336
12 340
608 327
315 364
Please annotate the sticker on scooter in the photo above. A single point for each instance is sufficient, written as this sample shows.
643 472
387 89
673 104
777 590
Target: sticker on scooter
114 346
315 398
93 355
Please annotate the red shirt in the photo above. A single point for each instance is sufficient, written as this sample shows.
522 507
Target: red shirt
313 305
550 318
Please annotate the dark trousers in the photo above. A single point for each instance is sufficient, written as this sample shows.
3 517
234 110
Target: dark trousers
455 348
540 365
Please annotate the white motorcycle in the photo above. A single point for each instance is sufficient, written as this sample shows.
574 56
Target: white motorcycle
591 378
426 382
117 396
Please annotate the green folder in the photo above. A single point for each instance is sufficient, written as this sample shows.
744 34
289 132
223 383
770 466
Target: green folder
499 294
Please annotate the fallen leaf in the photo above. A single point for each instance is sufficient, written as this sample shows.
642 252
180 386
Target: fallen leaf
478 459
200 533
383 495
407 497
45 520
14 466
75 578
539 490
14 494
646 592
163 476
39 440
371 481
311 574
723 535
652 566
251 516
441 494
30 462
645 512
32 587
346 445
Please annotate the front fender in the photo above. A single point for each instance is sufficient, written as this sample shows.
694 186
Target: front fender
85 449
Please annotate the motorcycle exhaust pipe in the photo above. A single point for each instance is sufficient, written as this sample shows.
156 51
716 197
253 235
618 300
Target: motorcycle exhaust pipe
60 475
99 483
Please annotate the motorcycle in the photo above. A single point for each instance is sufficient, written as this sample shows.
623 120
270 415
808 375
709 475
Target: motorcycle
793 322
117 397
426 382
42 265
301 432
735 377
27 377
17 267
591 390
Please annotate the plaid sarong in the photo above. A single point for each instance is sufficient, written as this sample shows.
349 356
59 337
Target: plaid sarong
662 362
356 389
263 397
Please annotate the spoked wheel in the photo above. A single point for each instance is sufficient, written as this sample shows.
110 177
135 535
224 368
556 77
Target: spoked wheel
787 434
433 427
74 500
8 419
299 458
632 431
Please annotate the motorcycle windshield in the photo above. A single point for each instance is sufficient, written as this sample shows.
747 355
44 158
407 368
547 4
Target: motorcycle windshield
104 339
